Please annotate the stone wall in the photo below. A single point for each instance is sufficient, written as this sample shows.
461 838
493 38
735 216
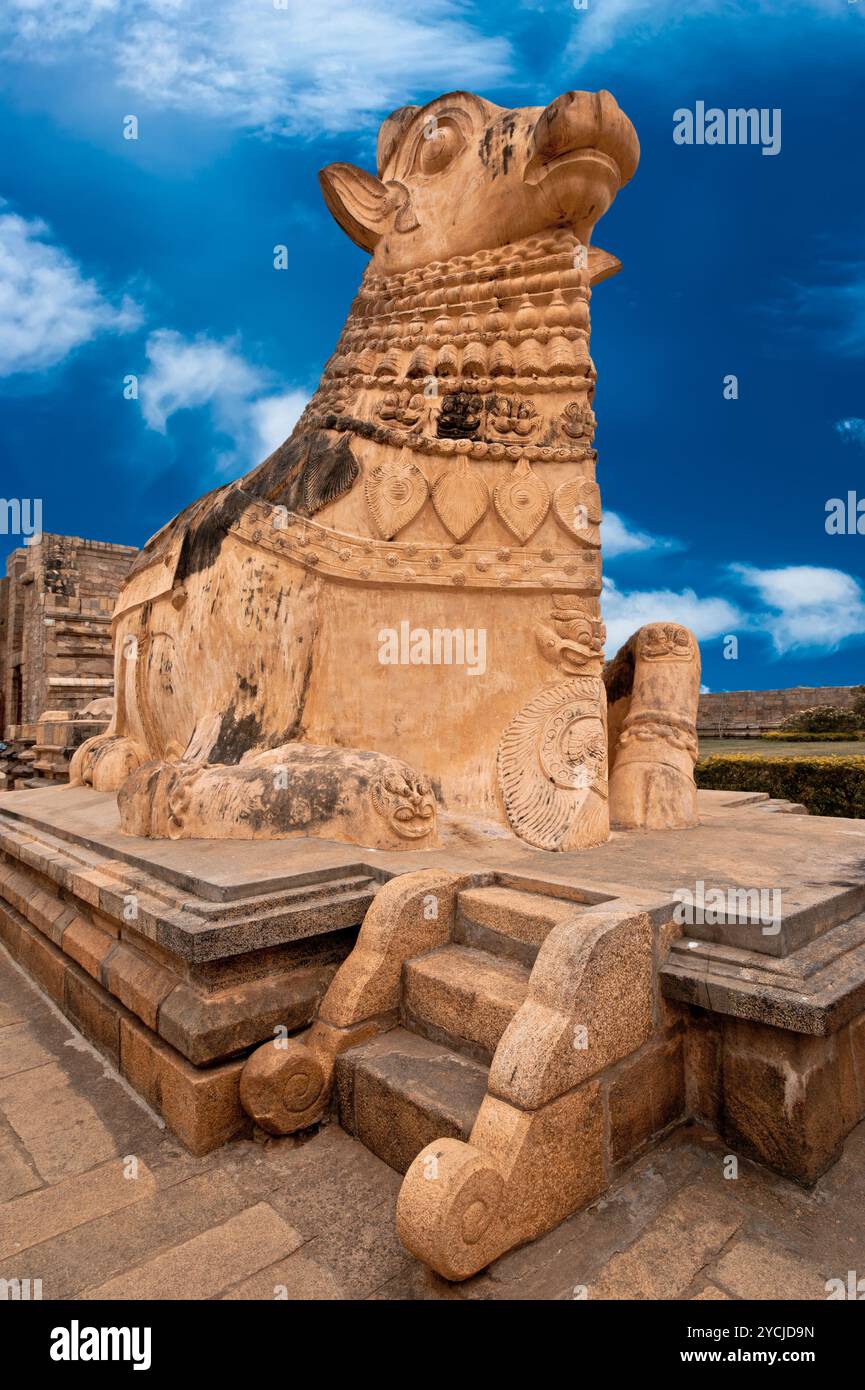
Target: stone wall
4 623
729 713
55 626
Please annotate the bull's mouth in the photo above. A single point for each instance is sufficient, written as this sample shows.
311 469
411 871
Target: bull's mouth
584 150
540 167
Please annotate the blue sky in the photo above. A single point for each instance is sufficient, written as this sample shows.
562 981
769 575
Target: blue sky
154 257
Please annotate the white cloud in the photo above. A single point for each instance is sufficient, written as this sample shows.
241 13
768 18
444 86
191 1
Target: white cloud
47 306
806 606
625 611
304 67
202 372
619 537
274 417
851 430
42 22
185 374
831 307
603 26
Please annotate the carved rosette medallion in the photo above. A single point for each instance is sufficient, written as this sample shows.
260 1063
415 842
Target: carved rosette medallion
552 766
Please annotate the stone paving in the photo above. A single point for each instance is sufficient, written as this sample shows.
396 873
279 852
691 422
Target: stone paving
97 1200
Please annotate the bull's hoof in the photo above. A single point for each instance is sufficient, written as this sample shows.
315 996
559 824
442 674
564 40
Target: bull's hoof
105 761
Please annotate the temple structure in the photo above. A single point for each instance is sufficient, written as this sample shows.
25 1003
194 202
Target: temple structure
56 653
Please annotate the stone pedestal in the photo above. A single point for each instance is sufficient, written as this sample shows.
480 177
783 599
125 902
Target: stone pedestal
776 1041
174 962
545 984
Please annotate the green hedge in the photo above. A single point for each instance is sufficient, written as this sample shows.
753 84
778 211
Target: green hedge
778 736
825 786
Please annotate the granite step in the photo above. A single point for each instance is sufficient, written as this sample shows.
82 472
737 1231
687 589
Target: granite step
462 997
509 922
400 1092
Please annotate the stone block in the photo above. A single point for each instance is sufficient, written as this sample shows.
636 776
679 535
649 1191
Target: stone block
42 1215
756 1270
645 1095
141 984
703 1085
663 1261
782 1099
43 961
202 1106
400 1092
466 995
211 1027
87 945
92 1011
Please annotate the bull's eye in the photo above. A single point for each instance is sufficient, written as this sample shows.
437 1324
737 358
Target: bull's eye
440 142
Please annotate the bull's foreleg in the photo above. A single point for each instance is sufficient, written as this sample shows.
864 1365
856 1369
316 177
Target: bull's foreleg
653 687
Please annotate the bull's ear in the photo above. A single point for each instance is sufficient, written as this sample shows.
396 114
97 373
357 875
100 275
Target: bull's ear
365 207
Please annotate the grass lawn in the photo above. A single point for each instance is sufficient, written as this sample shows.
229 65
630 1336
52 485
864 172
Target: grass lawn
772 748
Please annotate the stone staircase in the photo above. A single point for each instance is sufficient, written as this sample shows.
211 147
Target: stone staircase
499 1045
426 1079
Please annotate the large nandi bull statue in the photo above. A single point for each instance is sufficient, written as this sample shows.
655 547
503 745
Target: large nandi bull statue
390 630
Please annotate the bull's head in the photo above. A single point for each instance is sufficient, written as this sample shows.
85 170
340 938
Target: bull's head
461 175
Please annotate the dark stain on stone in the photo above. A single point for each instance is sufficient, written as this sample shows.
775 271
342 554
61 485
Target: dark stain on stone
296 729
619 673
235 737
303 474
314 795
204 537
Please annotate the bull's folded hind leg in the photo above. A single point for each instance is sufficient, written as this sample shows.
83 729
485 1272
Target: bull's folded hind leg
347 794
653 687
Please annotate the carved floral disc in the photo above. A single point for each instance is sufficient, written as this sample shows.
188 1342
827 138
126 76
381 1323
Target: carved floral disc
552 766
522 501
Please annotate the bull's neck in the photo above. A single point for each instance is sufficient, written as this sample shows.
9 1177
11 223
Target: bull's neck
501 325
